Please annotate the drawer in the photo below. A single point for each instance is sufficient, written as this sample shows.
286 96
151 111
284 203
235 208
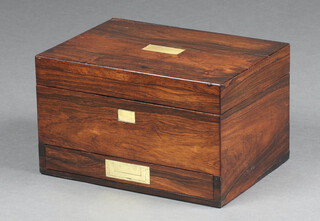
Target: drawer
159 135
131 172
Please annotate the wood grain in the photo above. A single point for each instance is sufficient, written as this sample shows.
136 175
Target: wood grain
162 178
161 135
256 79
135 188
210 42
208 58
94 48
128 85
254 138
109 55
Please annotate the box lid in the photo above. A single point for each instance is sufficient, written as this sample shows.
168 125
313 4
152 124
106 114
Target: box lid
197 57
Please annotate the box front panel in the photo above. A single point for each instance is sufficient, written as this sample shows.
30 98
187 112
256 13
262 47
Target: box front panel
128 129
129 85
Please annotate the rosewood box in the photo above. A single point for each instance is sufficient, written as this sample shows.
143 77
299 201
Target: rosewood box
189 115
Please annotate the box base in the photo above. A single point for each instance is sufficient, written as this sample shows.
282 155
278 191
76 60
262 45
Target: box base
130 187
150 191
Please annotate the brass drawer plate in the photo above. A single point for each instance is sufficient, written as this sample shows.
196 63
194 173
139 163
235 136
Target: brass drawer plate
127 171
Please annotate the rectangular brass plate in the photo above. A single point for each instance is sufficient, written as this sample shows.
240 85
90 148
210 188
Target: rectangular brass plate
163 49
126 116
128 171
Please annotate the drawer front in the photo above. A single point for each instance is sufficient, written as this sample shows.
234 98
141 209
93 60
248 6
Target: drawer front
103 125
160 177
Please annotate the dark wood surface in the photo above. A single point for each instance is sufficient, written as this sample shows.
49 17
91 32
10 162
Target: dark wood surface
128 85
215 43
208 58
162 178
161 135
108 60
254 137
130 187
256 79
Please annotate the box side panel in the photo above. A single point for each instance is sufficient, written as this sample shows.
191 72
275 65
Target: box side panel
128 85
256 79
254 138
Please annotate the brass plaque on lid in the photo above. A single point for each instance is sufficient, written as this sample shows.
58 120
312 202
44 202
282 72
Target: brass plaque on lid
163 49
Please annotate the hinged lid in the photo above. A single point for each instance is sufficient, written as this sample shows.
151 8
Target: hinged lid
152 63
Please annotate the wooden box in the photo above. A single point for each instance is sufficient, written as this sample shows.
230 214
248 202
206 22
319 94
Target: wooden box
184 114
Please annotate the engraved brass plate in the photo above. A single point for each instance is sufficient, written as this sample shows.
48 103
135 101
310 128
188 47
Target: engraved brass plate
126 116
128 171
163 49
